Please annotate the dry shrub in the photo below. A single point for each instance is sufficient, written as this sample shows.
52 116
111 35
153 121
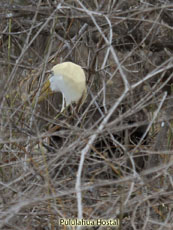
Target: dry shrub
111 160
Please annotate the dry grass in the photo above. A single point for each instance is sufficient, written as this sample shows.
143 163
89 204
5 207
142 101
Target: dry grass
114 158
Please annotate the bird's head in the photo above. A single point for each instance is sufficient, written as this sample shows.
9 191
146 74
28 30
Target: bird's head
69 79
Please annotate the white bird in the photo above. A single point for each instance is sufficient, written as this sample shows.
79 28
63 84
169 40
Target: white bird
69 79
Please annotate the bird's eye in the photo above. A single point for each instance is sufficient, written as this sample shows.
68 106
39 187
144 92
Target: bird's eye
51 73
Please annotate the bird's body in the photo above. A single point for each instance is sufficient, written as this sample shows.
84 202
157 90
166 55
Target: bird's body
69 79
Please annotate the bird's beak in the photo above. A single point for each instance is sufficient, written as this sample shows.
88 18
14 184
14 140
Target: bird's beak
45 92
